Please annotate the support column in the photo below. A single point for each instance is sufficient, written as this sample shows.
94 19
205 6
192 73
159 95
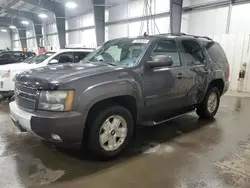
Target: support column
39 34
175 16
60 23
99 16
23 38
59 10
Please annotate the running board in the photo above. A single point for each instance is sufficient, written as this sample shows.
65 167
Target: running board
153 123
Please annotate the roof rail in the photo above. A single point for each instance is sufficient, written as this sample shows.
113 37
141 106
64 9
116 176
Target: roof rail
184 34
205 37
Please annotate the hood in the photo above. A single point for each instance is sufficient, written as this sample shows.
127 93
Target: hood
50 77
17 66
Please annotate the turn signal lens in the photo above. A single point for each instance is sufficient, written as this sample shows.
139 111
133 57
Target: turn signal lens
69 101
8 75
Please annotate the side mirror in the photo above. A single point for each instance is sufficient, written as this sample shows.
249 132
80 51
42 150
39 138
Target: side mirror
160 61
53 61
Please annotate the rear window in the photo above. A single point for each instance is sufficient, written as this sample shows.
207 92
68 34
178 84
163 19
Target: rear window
215 52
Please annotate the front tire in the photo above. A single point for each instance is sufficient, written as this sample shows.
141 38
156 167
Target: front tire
210 105
111 131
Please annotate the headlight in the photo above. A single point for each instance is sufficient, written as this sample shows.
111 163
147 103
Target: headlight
5 74
56 100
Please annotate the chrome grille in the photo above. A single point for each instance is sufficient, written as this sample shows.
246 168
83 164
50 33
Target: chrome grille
26 97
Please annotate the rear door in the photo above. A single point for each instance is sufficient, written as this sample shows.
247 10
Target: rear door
195 60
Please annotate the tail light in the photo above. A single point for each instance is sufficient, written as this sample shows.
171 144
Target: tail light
228 74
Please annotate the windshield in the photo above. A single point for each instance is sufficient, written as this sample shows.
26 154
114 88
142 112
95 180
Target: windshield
120 52
41 58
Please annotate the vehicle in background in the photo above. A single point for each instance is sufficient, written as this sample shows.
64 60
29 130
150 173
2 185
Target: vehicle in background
8 72
145 80
8 57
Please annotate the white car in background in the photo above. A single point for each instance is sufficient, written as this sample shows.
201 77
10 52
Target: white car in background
8 72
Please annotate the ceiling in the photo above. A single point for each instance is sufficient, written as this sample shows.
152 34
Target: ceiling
84 6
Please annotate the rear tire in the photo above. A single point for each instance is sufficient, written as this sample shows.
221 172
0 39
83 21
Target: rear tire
210 105
110 132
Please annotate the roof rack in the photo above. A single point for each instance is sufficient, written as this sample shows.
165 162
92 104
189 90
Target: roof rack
205 37
184 34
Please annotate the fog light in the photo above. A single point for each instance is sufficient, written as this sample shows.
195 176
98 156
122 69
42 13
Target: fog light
56 137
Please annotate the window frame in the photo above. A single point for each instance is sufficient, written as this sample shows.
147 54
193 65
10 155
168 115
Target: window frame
74 54
59 55
177 47
183 51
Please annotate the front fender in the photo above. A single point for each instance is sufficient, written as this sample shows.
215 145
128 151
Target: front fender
109 89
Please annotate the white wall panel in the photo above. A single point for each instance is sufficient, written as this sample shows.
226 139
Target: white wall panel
5 41
17 45
87 20
89 38
162 24
32 45
74 37
186 3
161 6
52 41
135 29
51 28
30 33
184 23
240 19
118 12
208 22
15 36
117 31
197 2
135 8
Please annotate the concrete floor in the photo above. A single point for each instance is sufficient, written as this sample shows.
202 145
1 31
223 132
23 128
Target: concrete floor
184 153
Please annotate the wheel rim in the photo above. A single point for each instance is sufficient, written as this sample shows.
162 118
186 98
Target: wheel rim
212 102
113 133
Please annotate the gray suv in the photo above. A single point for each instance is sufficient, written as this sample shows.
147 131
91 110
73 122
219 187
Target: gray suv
125 82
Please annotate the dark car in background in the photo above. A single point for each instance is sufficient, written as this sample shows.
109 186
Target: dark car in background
7 57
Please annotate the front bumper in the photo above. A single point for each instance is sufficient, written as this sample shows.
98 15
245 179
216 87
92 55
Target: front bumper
226 87
6 87
68 126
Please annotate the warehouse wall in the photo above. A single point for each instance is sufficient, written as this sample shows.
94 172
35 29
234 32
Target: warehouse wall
5 40
31 40
51 37
16 41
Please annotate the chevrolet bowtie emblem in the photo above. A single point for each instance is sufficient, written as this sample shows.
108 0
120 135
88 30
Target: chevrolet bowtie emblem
18 92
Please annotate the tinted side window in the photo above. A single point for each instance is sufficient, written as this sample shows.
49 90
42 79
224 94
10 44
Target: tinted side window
215 52
19 54
79 56
192 53
168 48
5 56
65 57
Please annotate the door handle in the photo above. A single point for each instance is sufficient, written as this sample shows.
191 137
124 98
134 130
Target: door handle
179 76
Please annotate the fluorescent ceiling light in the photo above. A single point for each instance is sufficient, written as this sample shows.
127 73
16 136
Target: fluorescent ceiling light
25 22
43 16
12 27
71 5
3 30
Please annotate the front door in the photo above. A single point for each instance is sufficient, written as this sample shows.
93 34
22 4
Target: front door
164 87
